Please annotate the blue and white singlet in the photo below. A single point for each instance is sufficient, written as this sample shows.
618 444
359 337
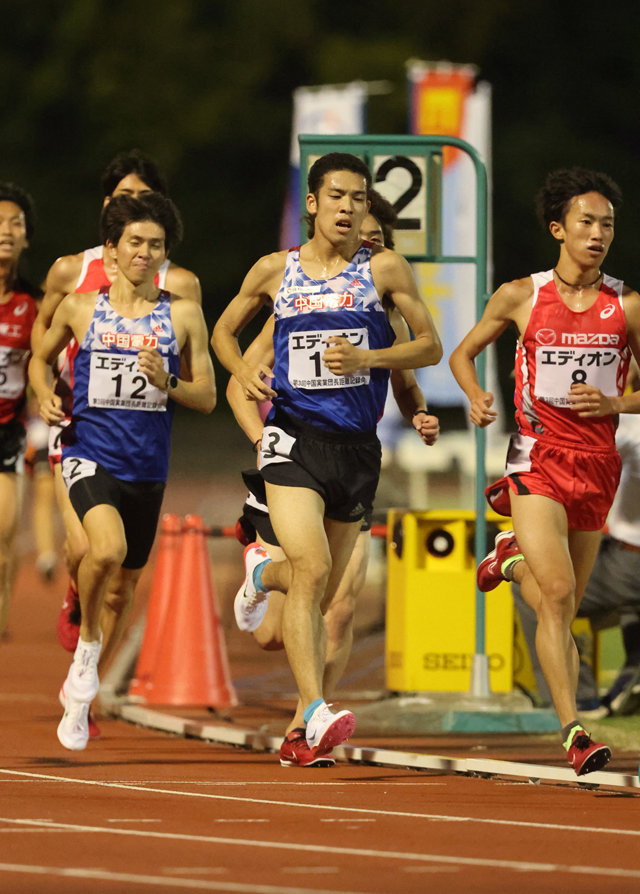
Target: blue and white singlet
307 311
119 419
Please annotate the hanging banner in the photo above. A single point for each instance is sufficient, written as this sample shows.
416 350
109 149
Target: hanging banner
328 109
447 100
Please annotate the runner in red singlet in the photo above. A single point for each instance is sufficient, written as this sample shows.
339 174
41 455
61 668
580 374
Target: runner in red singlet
577 328
17 312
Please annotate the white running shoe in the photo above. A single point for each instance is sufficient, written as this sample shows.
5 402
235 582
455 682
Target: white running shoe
78 691
250 605
325 729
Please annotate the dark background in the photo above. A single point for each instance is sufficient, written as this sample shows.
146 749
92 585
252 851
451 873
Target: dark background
205 87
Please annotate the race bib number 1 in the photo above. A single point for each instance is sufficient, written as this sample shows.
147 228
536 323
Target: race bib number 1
115 382
306 369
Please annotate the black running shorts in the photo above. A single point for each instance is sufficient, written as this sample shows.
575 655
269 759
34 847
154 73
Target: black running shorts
343 467
137 502
13 443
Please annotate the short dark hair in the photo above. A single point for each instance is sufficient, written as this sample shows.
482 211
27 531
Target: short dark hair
385 214
336 161
564 184
123 210
133 162
9 192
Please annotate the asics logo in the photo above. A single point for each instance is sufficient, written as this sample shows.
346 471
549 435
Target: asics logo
606 312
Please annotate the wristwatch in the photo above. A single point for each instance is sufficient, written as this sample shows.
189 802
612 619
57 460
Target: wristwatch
171 383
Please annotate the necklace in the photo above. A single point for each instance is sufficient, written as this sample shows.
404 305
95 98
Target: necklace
580 285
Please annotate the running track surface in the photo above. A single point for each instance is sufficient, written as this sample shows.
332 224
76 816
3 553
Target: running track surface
142 810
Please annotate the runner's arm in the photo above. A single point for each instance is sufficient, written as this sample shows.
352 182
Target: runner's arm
259 354
257 290
60 281
196 387
183 282
54 339
408 394
497 315
393 278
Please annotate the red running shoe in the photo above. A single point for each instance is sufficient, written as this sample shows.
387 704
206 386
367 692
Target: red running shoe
489 573
68 626
294 752
584 754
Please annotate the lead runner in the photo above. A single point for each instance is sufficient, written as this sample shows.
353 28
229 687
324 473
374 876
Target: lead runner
320 456
576 330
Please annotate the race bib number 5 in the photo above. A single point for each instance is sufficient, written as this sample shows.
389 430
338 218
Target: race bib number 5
306 369
115 382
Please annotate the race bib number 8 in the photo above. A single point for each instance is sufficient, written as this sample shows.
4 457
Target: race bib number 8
557 369
115 382
306 369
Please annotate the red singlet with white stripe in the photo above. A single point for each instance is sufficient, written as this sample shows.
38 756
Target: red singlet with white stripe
561 347
16 320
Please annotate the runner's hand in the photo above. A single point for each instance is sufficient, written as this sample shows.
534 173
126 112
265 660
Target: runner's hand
51 409
150 364
254 381
589 402
481 412
427 427
342 358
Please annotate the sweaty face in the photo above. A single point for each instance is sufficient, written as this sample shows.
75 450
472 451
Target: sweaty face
141 251
340 206
371 230
13 231
587 231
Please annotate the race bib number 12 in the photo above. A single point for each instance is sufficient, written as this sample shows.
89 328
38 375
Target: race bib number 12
115 382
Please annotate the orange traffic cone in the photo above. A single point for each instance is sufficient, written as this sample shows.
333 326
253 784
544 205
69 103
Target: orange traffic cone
162 586
191 665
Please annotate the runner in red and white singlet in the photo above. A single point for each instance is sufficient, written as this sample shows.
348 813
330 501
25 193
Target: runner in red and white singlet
561 347
577 328
17 313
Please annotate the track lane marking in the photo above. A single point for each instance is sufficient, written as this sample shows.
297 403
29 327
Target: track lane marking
325 850
445 818
161 880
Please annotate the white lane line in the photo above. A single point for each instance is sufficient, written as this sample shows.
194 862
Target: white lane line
162 881
438 817
309 848
252 783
